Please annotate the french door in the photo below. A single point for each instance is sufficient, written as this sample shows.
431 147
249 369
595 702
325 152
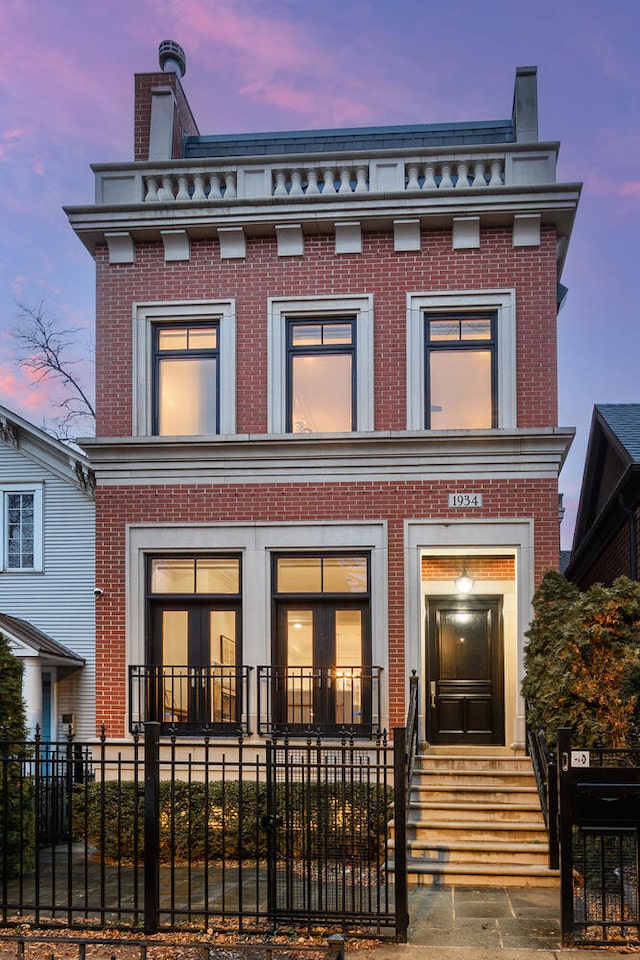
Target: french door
196 648
323 650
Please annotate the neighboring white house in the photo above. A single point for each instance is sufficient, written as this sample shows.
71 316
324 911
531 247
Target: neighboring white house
47 574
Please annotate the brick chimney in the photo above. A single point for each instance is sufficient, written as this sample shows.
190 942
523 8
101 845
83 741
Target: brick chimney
162 112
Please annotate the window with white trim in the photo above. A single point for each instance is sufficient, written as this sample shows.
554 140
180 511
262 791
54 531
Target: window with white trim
21 527
459 339
184 368
320 371
460 365
185 379
321 381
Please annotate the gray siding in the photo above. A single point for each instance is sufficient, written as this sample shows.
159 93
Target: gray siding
59 600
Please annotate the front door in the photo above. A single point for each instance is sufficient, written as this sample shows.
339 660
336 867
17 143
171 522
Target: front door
465 663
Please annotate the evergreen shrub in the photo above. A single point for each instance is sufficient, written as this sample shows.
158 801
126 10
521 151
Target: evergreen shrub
17 817
582 661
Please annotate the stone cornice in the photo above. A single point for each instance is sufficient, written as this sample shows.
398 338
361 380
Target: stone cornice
380 457
555 203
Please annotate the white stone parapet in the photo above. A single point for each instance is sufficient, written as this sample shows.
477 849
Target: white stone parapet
221 181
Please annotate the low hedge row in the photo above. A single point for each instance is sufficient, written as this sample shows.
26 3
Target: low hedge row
225 820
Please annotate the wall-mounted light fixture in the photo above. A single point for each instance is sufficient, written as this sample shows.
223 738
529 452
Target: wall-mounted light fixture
464 583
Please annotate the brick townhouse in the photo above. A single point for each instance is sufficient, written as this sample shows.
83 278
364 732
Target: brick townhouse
327 447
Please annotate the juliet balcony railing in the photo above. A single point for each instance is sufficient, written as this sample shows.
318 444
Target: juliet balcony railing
190 700
324 178
303 700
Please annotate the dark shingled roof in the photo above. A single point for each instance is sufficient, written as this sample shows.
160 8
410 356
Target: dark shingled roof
349 140
623 419
42 642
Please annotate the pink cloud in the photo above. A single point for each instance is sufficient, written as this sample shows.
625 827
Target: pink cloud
295 68
14 134
631 189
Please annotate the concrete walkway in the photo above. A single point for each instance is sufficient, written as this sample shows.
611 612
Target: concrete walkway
478 923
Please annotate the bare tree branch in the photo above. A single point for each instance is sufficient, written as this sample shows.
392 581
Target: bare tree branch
51 353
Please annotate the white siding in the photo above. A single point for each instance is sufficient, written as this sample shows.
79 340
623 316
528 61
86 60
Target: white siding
59 600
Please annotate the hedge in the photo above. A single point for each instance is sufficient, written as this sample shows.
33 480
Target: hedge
224 820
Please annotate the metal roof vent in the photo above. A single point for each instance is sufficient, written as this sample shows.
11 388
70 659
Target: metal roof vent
172 58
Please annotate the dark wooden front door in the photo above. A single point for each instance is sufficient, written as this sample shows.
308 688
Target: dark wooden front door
465 689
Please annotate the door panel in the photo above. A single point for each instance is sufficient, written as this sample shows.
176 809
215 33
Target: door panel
175 654
322 646
465 662
195 649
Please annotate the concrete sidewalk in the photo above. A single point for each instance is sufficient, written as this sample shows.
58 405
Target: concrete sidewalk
478 923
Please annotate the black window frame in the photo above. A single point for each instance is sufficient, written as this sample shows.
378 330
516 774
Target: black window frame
196 604
490 344
323 606
333 349
158 355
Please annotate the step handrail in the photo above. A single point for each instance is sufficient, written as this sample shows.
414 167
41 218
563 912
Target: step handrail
545 769
411 742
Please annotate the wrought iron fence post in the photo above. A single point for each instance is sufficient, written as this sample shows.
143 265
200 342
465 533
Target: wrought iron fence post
400 786
269 824
565 837
151 827
69 805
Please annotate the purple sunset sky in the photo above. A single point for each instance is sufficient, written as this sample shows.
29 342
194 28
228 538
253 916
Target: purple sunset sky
66 75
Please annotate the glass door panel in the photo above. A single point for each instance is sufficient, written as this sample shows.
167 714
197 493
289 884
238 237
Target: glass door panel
348 692
175 669
299 679
222 694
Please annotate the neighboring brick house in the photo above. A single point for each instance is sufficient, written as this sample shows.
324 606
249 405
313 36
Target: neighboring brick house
605 543
326 387
47 576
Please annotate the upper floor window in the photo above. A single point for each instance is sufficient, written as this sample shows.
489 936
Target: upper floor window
461 360
321 389
21 527
460 365
186 379
320 364
184 368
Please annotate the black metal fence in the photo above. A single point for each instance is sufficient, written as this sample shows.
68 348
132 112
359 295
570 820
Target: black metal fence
174 833
599 819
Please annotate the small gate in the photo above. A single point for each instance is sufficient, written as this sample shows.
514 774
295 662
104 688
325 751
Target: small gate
328 815
599 844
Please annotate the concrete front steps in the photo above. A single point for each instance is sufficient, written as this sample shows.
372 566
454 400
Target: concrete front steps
475 819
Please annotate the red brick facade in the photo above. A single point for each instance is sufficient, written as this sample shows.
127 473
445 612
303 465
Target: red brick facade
378 270
117 506
210 231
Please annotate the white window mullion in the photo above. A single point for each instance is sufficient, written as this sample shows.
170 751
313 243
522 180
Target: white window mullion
22 492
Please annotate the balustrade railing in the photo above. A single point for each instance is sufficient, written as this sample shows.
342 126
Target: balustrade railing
218 185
